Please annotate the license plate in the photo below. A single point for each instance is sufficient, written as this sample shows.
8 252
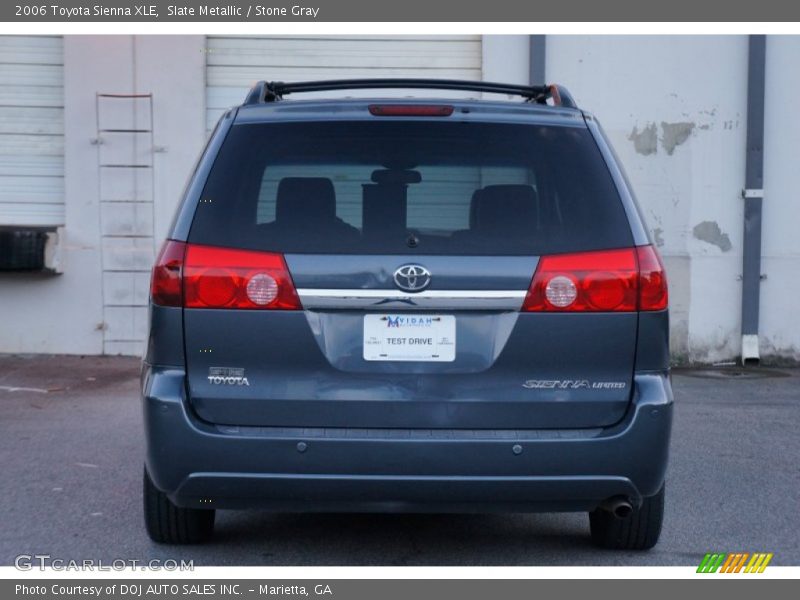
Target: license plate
427 338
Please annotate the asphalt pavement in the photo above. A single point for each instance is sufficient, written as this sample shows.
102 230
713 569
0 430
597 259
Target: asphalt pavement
71 449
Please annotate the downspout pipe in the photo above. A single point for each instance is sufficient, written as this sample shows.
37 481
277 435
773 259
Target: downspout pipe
538 47
753 195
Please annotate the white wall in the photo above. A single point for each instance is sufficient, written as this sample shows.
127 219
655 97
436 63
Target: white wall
65 313
780 246
675 110
506 58
173 69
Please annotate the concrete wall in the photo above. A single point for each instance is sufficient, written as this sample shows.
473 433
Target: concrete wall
780 247
506 58
675 110
67 313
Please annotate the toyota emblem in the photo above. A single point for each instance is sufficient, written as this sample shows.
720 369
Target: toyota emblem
412 278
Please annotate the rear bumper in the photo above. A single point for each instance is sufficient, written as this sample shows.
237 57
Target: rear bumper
293 469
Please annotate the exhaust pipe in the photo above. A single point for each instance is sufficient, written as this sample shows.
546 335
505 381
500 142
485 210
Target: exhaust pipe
619 506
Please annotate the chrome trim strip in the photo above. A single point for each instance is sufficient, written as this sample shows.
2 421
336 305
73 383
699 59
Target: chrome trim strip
428 299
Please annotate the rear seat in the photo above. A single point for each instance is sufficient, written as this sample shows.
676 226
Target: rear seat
307 206
499 211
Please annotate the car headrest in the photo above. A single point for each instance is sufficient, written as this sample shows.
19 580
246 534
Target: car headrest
305 201
506 207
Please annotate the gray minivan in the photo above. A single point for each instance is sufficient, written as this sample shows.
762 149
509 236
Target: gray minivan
408 305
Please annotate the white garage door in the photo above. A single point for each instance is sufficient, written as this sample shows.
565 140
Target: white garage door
234 64
31 130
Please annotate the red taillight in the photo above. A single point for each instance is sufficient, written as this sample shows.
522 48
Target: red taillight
587 281
653 293
228 278
165 284
410 110
603 281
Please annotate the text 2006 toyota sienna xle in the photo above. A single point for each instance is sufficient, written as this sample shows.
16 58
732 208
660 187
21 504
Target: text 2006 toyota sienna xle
408 305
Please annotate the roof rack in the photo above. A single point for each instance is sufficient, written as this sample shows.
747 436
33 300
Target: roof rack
272 91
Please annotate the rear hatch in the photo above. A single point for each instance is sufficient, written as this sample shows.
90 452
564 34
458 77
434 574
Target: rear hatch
395 257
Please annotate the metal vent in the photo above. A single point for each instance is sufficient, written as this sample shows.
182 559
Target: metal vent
22 250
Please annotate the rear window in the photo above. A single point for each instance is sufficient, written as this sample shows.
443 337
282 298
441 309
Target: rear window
400 187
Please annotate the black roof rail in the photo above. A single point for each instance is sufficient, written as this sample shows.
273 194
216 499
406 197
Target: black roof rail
271 91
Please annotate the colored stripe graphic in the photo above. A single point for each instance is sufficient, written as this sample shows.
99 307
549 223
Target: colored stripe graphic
740 564
710 563
758 563
729 562
734 562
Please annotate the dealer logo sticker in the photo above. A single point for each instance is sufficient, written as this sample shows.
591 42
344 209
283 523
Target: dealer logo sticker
735 562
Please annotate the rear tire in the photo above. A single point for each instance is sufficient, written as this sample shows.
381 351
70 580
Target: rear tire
639 531
170 524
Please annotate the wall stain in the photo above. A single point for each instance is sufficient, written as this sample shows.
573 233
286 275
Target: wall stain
645 142
674 134
658 236
709 231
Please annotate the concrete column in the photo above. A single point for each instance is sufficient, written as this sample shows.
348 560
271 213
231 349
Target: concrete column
506 58
172 68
